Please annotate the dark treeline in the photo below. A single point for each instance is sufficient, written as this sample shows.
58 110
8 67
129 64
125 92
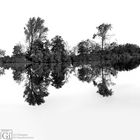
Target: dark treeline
40 49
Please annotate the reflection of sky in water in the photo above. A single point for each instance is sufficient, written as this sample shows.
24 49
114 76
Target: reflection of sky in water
75 111
11 92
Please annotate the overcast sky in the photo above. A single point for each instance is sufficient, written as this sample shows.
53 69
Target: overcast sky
74 20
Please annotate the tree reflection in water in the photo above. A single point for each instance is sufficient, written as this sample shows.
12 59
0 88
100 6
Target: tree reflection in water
106 72
36 86
59 75
40 76
100 74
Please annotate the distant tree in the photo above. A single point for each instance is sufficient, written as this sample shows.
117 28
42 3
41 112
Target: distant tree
17 50
102 32
2 53
35 30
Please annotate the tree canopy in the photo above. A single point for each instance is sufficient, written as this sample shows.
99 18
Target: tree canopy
17 50
102 32
35 29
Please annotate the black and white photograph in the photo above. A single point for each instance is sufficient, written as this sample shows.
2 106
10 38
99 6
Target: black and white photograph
69 69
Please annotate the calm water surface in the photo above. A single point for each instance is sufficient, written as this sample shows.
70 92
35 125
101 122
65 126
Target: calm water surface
73 108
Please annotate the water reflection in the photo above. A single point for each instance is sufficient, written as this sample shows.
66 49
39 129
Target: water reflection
59 75
38 77
36 85
100 74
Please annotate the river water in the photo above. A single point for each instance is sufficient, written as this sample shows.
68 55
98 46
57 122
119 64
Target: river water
74 109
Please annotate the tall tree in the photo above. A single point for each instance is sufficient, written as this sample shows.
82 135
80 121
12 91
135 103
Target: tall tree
102 32
35 30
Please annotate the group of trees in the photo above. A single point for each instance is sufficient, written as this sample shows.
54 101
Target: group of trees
39 48
42 50
89 50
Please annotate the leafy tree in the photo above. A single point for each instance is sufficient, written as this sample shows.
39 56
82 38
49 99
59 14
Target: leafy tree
35 30
102 32
82 48
40 51
58 49
37 51
17 50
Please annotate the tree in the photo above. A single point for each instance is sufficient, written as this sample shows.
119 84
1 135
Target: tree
83 48
2 53
37 51
17 50
58 50
102 32
40 51
35 30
